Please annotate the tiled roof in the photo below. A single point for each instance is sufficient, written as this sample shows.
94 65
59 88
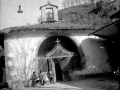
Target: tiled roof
49 26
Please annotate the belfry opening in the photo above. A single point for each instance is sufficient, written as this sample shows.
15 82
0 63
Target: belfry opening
59 54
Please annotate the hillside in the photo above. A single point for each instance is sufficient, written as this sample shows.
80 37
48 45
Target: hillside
91 14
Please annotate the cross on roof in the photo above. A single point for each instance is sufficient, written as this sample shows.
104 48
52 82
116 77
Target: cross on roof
48 2
57 41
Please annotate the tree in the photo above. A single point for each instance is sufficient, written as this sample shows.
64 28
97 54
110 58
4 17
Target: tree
39 20
92 1
95 13
28 24
103 8
71 3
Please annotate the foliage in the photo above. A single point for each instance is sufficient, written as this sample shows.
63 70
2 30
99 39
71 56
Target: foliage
103 8
39 20
94 13
28 24
70 3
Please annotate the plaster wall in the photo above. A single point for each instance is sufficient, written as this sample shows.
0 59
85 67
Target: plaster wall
21 54
95 56
20 57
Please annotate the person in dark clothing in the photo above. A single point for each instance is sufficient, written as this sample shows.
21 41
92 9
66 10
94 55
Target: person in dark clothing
33 78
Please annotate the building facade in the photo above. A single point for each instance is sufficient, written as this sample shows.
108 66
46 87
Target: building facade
27 49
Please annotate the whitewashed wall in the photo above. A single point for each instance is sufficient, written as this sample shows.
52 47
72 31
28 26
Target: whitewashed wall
95 56
20 57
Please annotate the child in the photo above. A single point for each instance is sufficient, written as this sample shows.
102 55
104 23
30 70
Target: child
33 78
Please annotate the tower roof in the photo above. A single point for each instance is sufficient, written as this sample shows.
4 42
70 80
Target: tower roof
48 3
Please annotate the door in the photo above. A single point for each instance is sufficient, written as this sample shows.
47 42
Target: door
58 69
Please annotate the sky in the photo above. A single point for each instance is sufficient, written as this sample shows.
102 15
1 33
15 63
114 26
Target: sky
10 18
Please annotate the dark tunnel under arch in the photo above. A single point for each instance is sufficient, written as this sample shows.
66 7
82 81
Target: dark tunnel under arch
48 44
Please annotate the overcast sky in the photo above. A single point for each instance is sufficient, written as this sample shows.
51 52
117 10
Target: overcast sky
9 16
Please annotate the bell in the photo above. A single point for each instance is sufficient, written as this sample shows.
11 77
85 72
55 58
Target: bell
19 11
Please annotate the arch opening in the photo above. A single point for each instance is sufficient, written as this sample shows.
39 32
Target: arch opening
61 62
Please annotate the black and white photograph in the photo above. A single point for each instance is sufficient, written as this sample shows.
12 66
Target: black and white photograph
59 44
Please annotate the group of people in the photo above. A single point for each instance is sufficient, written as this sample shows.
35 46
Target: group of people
41 78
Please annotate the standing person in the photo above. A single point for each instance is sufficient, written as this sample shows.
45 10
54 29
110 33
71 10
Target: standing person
41 78
50 76
33 78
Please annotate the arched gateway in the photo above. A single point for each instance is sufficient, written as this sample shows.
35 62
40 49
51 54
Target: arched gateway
56 60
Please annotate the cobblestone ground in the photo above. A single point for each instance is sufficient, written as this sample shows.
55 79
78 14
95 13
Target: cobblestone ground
84 84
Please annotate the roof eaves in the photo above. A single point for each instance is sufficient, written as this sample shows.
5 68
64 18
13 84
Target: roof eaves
49 4
115 15
48 27
43 6
105 27
53 5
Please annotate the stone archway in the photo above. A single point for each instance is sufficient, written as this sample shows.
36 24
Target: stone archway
47 46
61 57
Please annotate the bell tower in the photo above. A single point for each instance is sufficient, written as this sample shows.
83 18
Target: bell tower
49 13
